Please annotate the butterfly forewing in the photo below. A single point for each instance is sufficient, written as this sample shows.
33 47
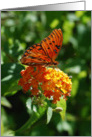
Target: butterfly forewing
44 53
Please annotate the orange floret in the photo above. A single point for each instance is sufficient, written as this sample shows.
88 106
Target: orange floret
53 82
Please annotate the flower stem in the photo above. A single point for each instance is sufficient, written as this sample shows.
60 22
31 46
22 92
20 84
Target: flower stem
33 119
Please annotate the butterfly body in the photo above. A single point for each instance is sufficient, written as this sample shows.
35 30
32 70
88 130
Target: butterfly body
44 53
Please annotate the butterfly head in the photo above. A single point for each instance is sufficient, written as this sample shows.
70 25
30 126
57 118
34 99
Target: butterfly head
55 63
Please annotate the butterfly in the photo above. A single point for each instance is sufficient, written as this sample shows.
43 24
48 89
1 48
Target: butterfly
45 52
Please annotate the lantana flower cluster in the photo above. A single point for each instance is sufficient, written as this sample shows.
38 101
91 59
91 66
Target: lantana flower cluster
53 82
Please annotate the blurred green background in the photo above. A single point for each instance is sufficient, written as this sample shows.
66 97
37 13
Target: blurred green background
21 29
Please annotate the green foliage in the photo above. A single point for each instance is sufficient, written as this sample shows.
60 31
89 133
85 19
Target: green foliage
5 102
21 29
62 104
9 77
49 114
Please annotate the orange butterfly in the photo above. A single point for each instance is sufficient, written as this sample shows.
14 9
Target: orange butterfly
44 53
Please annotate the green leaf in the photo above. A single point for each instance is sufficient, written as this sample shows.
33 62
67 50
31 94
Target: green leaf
75 87
62 104
65 126
29 105
2 128
9 133
34 108
10 74
54 23
49 114
5 102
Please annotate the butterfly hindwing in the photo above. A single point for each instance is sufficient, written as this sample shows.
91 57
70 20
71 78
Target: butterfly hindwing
45 52
34 55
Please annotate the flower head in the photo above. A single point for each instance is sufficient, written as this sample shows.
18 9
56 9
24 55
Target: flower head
53 82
